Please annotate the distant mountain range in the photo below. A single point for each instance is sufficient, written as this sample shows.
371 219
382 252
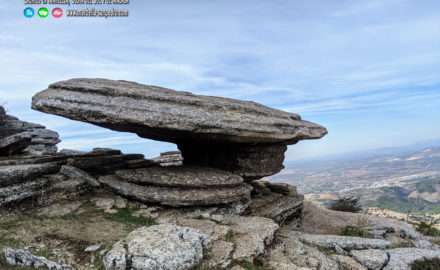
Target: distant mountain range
400 178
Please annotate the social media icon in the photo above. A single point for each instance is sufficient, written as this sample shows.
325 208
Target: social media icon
29 12
43 12
57 12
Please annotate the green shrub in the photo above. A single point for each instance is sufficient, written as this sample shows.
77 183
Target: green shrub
426 264
427 229
355 231
346 204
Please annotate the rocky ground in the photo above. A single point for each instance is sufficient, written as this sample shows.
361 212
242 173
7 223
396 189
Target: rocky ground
205 207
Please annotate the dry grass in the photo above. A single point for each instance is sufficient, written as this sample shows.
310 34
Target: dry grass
66 237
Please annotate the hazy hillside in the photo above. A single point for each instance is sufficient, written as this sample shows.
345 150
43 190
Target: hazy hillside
405 181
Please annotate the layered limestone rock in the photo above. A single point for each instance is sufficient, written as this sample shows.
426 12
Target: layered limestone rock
164 246
279 202
179 186
27 181
242 137
171 158
39 140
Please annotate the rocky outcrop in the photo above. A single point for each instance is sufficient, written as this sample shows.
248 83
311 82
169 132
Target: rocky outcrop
14 144
242 137
20 257
42 141
279 202
164 246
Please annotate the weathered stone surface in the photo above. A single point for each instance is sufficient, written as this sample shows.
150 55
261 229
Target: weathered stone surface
252 235
401 258
73 172
251 162
347 262
19 173
164 114
18 192
282 188
179 196
280 208
14 144
180 176
345 242
21 257
242 137
290 254
374 259
43 141
165 246
171 158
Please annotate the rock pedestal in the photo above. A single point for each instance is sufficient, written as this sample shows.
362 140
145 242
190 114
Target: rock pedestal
242 137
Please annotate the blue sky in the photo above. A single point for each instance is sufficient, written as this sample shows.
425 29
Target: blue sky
366 70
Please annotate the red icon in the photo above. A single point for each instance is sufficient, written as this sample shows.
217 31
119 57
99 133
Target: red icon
57 12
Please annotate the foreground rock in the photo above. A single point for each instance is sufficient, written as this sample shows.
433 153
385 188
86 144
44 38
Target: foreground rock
291 254
158 247
20 257
242 137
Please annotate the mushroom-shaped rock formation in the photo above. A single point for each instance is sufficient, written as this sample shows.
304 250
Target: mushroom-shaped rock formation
243 137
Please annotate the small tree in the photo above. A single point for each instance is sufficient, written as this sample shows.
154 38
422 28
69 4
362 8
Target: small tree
346 204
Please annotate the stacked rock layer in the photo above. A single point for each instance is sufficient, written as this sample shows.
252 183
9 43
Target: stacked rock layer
179 186
18 136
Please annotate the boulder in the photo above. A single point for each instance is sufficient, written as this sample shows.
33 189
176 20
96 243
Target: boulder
180 176
163 246
175 196
14 144
243 137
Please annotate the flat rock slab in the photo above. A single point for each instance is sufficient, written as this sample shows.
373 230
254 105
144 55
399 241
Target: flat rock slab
14 144
374 259
18 173
164 114
181 176
174 196
163 246
345 242
402 258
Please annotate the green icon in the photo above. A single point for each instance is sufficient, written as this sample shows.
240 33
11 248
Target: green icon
43 12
